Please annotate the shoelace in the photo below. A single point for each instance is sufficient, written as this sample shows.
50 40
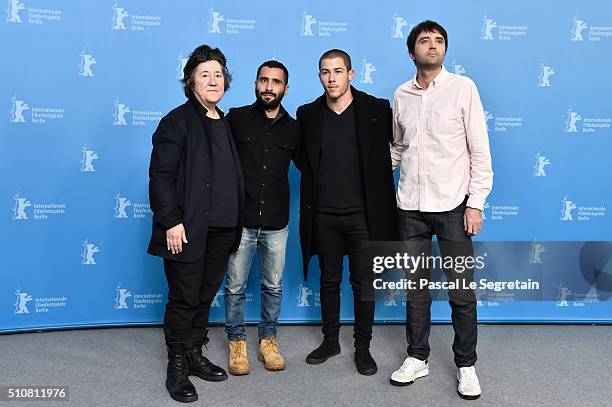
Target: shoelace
270 345
238 349
181 369
469 375
196 354
407 363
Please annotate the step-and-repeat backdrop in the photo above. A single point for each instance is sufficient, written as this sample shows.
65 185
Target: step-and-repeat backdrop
84 84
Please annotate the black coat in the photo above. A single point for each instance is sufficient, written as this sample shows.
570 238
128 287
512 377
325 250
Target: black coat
373 122
180 176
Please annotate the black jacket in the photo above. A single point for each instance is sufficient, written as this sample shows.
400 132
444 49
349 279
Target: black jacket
180 181
374 133
265 152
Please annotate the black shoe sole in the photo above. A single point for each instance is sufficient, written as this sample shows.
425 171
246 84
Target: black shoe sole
189 399
400 384
463 396
209 378
368 372
313 361
240 374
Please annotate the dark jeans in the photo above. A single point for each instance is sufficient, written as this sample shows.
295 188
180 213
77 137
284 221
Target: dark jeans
192 288
335 236
417 228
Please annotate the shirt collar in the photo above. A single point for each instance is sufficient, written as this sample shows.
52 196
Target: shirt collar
203 110
439 79
282 112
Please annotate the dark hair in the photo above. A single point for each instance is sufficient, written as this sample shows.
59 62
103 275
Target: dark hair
426 26
274 64
201 54
337 53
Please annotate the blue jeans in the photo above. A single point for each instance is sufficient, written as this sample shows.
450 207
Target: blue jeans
419 227
271 245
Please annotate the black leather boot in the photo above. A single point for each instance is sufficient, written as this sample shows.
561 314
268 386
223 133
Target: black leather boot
201 366
177 380
329 348
366 365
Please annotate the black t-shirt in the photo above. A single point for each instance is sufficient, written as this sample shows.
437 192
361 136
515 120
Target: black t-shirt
339 188
223 210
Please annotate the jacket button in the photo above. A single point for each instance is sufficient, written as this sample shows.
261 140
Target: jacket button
208 156
208 184
308 207
205 212
264 167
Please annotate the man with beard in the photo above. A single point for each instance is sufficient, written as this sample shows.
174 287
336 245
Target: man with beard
267 139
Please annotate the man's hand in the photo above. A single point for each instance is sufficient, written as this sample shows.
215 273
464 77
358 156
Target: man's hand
472 221
175 237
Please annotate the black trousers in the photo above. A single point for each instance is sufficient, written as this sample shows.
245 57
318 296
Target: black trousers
417 229
193 286
335 236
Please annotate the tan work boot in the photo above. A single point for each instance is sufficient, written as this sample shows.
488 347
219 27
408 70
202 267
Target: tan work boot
270 354
238 362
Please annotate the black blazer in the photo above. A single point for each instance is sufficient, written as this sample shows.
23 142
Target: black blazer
374 133
180 176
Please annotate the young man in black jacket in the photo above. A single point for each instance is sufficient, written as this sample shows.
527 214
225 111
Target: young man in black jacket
347 196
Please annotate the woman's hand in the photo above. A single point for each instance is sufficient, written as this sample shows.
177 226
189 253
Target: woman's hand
175 237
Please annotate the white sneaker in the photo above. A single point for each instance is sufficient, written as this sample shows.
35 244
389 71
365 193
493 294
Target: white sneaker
469 386
410 370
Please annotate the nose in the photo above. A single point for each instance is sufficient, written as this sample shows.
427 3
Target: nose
213 80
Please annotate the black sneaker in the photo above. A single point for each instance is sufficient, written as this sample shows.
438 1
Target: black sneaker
323 352
366 365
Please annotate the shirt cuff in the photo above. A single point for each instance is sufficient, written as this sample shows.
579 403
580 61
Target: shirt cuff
475 202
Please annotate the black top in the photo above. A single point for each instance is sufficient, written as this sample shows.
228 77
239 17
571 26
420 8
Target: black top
224 202
373 123
266 147
339 189
181 167
223 211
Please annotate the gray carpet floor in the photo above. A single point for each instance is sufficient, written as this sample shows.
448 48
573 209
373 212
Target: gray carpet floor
519 365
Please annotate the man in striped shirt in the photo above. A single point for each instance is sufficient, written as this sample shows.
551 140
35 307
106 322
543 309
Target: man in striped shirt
441 147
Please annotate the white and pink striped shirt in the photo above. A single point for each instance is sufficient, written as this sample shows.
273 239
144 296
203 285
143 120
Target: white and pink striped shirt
440 144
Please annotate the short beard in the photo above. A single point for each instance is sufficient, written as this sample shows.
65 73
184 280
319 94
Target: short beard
427 65
272 104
